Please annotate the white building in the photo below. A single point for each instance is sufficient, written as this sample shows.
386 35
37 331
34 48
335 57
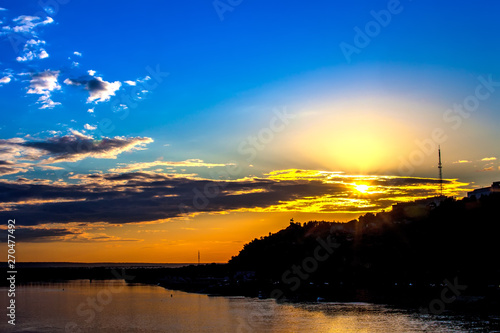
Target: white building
478 193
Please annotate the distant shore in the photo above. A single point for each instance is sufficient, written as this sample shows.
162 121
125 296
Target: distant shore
117 265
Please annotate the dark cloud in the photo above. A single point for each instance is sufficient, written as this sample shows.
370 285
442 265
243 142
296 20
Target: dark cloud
69 234
146 196
99 90
141 197
409 181
31 235
69 148
10 168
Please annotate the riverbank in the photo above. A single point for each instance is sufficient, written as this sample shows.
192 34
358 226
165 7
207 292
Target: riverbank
435 299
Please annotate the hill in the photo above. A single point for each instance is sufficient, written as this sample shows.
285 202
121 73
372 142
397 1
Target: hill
415 247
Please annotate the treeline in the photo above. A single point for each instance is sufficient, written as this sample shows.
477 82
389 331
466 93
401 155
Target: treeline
415 246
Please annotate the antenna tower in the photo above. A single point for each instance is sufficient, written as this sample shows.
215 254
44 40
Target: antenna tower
440 167
198 257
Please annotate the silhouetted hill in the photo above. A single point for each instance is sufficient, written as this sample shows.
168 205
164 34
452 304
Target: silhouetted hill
415 247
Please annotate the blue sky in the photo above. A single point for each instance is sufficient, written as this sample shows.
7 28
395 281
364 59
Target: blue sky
183 87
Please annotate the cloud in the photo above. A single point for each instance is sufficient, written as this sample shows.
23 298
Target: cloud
91 72
148 196
25 34
89 127
138 89
146 78
49 167
13 149
487 169
91 110
27 24
33 50
10 168
44 83
6 79
44 234
99 90
462 161
120 107
70 82
98 237
489 159
31 235
186 163
69 148
43 55
77 53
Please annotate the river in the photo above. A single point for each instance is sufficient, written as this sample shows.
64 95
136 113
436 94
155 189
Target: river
114 306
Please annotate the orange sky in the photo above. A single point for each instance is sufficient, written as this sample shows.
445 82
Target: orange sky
222 234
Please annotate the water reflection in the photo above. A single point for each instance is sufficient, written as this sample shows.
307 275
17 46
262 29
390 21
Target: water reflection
114 306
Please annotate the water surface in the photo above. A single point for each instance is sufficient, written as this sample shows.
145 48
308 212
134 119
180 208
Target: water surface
113 306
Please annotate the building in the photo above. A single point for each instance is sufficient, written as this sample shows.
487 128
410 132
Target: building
418 207
479 192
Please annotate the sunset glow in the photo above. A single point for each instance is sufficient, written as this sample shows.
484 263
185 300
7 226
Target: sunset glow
160 129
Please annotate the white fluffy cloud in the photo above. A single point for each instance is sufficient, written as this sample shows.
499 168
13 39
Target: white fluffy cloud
26 24
5 79
44 83
33 50
43 54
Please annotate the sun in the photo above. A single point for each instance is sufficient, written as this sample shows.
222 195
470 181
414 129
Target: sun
362 188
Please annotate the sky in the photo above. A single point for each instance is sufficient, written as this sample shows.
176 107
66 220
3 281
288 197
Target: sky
148 131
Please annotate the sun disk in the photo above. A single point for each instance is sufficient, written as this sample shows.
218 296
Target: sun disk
361 188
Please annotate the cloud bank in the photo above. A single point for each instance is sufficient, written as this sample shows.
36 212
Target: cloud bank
69 148
148 196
